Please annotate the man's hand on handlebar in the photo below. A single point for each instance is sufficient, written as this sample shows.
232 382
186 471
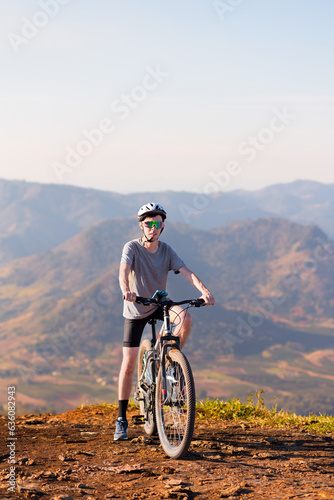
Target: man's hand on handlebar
208 298
129 296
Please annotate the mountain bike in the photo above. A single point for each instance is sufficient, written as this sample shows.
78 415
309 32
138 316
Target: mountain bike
166 389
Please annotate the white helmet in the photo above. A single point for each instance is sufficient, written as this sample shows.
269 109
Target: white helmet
150 210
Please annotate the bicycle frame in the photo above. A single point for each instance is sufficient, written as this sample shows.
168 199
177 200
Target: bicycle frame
166 340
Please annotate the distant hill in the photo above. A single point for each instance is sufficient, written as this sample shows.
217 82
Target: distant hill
37 217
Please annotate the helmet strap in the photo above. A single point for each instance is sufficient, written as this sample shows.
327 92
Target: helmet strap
150 240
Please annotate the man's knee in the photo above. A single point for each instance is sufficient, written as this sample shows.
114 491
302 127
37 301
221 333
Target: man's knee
129 359
187 321
128 368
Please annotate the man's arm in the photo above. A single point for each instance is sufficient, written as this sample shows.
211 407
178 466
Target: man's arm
124 274
196 282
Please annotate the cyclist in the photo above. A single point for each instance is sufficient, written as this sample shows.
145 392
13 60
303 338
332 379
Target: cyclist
144 267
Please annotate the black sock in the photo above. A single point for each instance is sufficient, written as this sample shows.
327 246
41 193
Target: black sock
122 407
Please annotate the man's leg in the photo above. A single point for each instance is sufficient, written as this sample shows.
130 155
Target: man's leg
126 373
133 330
182 320
124 390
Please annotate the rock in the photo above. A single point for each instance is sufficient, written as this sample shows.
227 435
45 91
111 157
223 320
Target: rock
264 456
66 458
178 492
139 439
231 492
29 489
148 473
168 470
62 497
87 453
142 439
34 421
173 482
53 420
51 476
198 444
125 469
214 446
38 475
84 486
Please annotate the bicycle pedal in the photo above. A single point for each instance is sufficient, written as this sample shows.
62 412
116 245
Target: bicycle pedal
138 420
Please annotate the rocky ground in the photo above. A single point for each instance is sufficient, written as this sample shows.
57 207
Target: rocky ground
73 455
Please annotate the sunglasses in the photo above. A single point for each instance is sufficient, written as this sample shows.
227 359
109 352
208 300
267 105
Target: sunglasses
153 223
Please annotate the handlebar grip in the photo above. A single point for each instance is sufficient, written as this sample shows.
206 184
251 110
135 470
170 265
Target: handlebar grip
199 302
143 300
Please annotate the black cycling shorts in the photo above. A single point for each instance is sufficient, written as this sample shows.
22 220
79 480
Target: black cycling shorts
133 328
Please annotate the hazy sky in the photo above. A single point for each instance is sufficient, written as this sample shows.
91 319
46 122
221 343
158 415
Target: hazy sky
179 94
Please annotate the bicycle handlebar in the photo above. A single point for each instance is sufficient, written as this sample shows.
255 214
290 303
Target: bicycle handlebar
168 302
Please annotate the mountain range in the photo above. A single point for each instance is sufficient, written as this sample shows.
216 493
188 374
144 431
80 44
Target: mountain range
60 318
37 217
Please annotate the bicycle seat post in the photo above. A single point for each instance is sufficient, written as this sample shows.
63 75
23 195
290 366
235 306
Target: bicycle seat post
152 322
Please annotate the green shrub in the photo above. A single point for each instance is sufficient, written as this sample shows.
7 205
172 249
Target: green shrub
254 411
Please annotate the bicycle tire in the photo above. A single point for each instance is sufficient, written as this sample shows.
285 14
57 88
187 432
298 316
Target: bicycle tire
175 411
150 426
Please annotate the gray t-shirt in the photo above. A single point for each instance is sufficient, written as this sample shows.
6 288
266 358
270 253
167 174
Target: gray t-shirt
148 273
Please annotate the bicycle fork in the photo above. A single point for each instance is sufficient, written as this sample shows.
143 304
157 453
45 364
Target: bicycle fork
167 345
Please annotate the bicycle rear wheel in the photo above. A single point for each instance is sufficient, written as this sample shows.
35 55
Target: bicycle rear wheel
147 393
175 410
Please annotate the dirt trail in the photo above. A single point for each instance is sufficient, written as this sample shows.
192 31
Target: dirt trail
73 455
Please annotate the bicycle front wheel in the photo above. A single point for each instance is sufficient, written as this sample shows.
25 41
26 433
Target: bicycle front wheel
175 409
146 394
